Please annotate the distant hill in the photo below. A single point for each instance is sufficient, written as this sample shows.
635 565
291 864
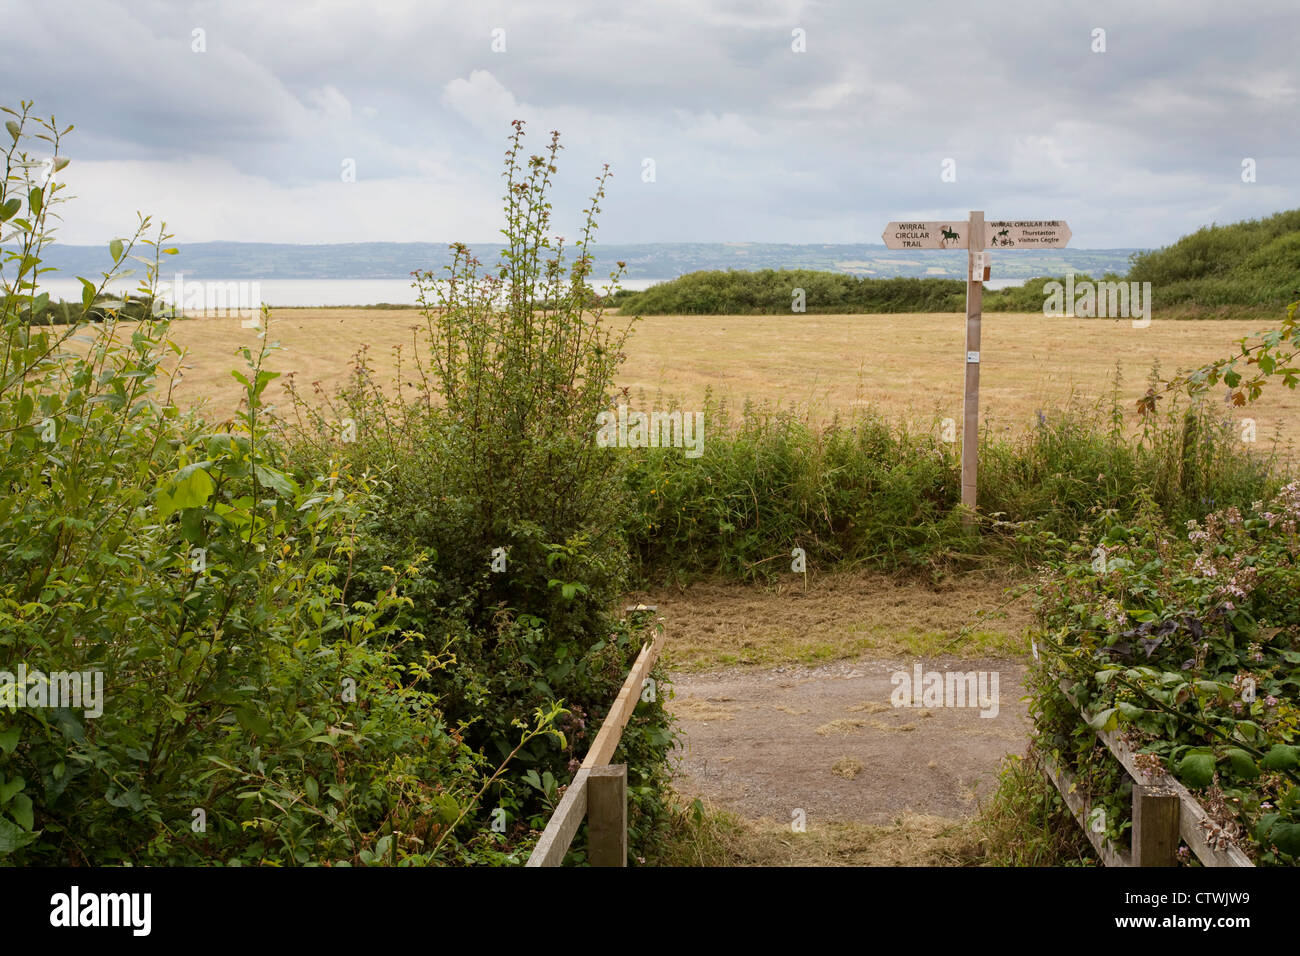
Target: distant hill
1245 267
1243 270
396 260
1255 263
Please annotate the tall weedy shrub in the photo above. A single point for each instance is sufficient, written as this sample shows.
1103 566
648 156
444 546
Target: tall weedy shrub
521 388
495 483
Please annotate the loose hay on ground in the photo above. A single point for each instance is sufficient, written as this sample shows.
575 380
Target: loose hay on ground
717 623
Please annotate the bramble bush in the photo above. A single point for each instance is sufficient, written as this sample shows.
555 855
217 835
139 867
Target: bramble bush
1189 645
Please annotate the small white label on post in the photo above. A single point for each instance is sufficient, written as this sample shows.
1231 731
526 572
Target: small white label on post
973 357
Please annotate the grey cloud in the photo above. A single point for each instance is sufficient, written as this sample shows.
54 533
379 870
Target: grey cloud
751 140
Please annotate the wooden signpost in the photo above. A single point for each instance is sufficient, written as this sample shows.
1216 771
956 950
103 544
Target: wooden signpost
975 235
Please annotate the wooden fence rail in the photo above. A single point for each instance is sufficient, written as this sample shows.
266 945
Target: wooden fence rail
1163 811
598 791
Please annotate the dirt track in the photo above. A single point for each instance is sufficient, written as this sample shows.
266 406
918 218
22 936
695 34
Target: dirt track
764 742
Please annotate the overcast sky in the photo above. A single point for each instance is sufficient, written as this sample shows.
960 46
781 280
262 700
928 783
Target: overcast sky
750 140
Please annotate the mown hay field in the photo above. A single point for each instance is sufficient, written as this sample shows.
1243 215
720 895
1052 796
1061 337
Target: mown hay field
910 366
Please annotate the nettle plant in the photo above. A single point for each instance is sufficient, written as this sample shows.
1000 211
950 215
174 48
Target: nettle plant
1189 645
253 712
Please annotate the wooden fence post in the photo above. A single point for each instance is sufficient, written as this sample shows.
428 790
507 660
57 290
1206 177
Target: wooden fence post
607 815
1155 826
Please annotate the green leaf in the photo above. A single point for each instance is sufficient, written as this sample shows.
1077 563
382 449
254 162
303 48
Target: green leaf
1243 765
21 811
264 378
276 480
10 209
9 788
252 721
115 250
163 502
192 490
9 739
129 798
87 292
1246 730
1286 837
1196 769
1104 721
1130 711
14 129
192 525
35 200
1281 757
13 837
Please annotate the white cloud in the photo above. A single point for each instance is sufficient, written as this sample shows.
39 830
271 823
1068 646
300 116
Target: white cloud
482 101
234 205
329 101
727 129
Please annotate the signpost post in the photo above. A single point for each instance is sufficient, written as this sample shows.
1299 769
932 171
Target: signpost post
975 235
970 426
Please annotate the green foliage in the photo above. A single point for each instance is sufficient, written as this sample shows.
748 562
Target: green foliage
1255 262
1079 465
1271 357
1189 645
772 291
769 482
124 309
862 490
1026 823
1031 296
253 710
497 495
